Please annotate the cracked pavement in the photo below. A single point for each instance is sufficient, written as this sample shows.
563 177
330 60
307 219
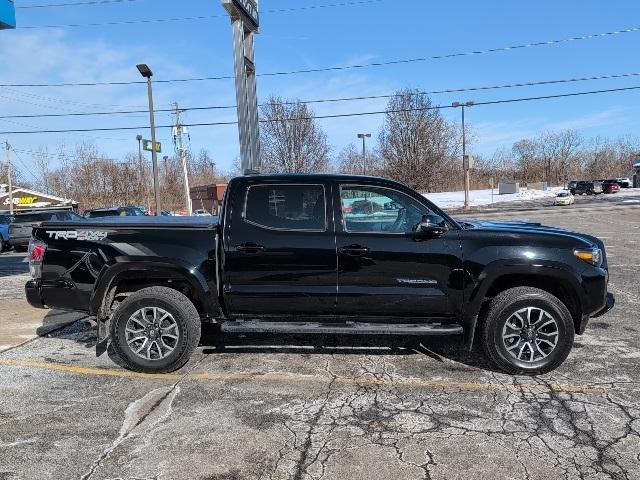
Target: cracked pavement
295 407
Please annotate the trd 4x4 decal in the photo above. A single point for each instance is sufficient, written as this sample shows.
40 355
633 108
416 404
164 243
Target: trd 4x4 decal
87 235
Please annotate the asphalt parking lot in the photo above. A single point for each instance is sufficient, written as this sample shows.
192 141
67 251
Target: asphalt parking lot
310 408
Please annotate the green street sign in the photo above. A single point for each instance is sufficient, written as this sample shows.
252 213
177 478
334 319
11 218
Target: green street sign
146 145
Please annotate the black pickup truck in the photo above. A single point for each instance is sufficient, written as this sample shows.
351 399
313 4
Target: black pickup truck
323 254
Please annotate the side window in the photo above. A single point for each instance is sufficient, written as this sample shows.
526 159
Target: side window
373 209
286 207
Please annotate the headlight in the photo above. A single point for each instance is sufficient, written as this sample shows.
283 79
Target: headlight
592 256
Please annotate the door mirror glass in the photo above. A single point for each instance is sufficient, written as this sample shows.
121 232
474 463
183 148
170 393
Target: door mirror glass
431 225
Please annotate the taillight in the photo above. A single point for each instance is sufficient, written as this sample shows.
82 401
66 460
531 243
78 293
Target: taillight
36 254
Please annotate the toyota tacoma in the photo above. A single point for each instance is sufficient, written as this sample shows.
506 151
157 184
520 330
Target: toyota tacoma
323 254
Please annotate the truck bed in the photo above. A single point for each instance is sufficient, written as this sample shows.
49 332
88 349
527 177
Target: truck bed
140 222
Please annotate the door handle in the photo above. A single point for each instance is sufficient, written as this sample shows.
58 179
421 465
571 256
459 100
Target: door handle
354 250
250 248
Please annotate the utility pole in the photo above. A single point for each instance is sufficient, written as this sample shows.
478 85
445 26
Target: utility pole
364 137
466 164
178 130
8 157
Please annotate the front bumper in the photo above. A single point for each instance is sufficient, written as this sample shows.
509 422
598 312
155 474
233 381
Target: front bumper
611 301
34 297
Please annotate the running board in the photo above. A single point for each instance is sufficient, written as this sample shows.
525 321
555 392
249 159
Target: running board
256 326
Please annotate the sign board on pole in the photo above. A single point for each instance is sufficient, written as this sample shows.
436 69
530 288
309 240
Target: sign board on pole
246 9
7 14
468 162
146 145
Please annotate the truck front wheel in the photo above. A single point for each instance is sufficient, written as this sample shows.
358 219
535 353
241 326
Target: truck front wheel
527 331
155 330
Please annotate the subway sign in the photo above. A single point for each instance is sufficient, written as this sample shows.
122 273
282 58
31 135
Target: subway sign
7 14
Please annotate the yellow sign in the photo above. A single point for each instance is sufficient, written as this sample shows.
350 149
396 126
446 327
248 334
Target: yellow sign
21 200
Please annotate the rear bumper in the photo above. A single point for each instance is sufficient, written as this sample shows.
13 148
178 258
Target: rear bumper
20 241
34 296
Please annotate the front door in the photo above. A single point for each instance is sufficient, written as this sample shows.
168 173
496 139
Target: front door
280 253
384 268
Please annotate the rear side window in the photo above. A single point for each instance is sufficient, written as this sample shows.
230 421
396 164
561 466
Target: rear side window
103 213
286 207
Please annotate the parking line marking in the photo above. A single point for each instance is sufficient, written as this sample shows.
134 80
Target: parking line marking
280 377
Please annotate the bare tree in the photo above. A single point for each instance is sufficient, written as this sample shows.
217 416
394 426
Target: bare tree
558 152
350 161
417 144
292 141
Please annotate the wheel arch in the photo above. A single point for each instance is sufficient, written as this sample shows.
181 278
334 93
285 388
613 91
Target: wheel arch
129 277
551 278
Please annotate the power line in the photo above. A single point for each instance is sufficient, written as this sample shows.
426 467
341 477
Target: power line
344 67
339 115
340 99
198 17
68 102
75 4
19 158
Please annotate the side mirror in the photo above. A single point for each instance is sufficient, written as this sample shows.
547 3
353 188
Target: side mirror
431 225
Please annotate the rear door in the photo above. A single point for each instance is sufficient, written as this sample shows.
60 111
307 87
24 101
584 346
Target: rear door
279 250
384 269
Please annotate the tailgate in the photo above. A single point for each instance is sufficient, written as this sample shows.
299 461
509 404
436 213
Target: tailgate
22 229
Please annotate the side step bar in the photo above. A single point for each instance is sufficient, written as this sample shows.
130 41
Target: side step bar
256 326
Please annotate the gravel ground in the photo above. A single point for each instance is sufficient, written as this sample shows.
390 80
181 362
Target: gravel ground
256 407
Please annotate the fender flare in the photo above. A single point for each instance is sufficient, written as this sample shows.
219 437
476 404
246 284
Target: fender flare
502 268
174 267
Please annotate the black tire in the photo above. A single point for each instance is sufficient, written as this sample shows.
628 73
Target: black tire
2 245
185 316
501 309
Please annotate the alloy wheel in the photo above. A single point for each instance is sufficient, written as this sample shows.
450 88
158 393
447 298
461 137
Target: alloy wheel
152 333
530 334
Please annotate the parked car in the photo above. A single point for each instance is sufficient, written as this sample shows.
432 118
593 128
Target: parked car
586 188
610 186
201 212
114 212
519 289
624 182
564 197
572 184
5 220
23 224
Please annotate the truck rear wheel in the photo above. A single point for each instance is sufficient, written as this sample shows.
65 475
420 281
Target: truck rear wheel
155 330
527 331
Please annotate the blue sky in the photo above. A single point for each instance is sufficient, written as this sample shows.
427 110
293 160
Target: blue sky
339 35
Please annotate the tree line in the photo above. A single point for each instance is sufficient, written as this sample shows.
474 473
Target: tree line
416 145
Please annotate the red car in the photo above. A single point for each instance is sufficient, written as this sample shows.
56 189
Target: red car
610 187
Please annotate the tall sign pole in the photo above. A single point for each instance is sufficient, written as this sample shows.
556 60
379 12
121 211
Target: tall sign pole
8 157
245 23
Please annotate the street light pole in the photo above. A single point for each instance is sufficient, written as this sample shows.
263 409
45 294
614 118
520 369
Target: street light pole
364 137
465 167
146 72
8 153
